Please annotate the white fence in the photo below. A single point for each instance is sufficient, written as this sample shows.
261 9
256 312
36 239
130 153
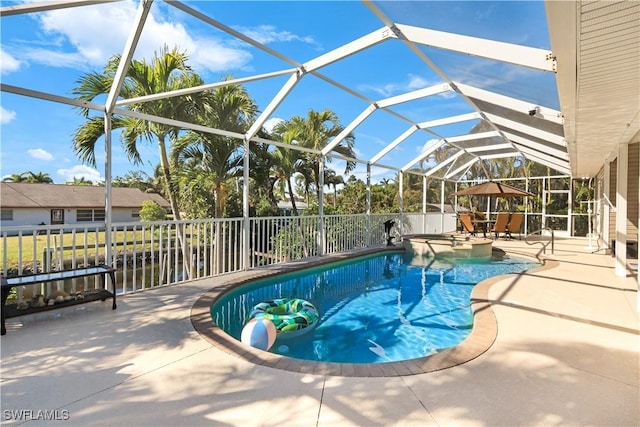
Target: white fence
154 254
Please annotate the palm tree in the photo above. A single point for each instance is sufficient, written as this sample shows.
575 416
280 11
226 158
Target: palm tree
218 157
287 163
39 177
82 181
166 72
15 177
331 178
316 131
264 182
215 162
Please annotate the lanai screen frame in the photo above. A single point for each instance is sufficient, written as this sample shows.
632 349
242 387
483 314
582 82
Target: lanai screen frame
518 128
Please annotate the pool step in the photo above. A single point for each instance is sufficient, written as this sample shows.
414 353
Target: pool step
462 247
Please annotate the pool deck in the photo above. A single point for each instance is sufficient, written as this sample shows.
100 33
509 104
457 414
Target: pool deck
566 352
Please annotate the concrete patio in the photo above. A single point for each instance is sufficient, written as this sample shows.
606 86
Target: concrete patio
566 353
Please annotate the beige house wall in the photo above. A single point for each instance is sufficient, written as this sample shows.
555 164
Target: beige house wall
607 217
632 191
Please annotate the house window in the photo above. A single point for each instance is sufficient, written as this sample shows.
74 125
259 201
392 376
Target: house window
135 213
98 215
6 214
90 215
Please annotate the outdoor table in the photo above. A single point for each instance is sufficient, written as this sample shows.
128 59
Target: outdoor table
485 223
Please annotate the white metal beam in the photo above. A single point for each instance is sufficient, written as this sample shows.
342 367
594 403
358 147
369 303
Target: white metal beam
275 101
499 156
546 160
519 141
349 128
461 168
529 130
348 49
413 95
50 97
514 104
394 100
130 47
449 120
539 59
424 154
204 18
474 136
202 88
19 9
393 144
489 148
443 164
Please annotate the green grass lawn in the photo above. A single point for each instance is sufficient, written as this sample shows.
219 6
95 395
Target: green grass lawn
14 244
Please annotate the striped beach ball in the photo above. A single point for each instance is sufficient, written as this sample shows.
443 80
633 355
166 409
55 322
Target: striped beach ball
259 333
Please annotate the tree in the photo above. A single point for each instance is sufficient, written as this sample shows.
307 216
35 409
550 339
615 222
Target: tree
353 197
82 181
331 178
217 157
315 132
288 161
261 193
39 177
166 72
15 177
135 179
152 211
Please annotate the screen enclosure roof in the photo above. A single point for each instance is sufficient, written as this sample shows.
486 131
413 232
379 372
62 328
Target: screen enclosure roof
424 87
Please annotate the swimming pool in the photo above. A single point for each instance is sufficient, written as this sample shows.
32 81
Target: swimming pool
374 309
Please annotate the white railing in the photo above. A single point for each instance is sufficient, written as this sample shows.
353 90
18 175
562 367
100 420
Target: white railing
153 254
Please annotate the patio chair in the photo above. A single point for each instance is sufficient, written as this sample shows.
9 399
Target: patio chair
514 225
467 224
500 226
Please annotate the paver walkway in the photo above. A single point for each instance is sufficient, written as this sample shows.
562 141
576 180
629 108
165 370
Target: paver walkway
567 353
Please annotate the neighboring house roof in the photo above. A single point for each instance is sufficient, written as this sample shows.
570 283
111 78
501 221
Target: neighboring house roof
26 195
285 204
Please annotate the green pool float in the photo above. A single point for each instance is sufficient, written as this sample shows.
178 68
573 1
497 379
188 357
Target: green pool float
290 316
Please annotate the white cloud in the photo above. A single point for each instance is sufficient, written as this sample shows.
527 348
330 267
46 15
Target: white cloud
6 116
40 154
416 82
430 143
212 55
45 56
80 171
266 34
8 63
412 83
272 123
98 32
89 36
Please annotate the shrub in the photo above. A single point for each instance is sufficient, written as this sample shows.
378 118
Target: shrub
152 211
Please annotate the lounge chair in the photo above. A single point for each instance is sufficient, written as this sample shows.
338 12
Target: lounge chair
467 224
514 225
500 226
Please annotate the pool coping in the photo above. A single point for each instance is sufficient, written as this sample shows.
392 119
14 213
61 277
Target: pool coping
479 340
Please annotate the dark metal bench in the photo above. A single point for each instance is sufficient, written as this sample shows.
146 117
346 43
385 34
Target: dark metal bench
12 310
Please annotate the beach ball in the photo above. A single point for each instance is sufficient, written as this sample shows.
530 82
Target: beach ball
259 333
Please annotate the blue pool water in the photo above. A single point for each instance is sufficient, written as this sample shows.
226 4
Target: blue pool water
373 309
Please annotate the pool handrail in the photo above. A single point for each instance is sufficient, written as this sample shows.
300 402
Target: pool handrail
544 244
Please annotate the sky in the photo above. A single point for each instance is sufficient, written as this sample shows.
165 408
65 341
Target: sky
50 51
